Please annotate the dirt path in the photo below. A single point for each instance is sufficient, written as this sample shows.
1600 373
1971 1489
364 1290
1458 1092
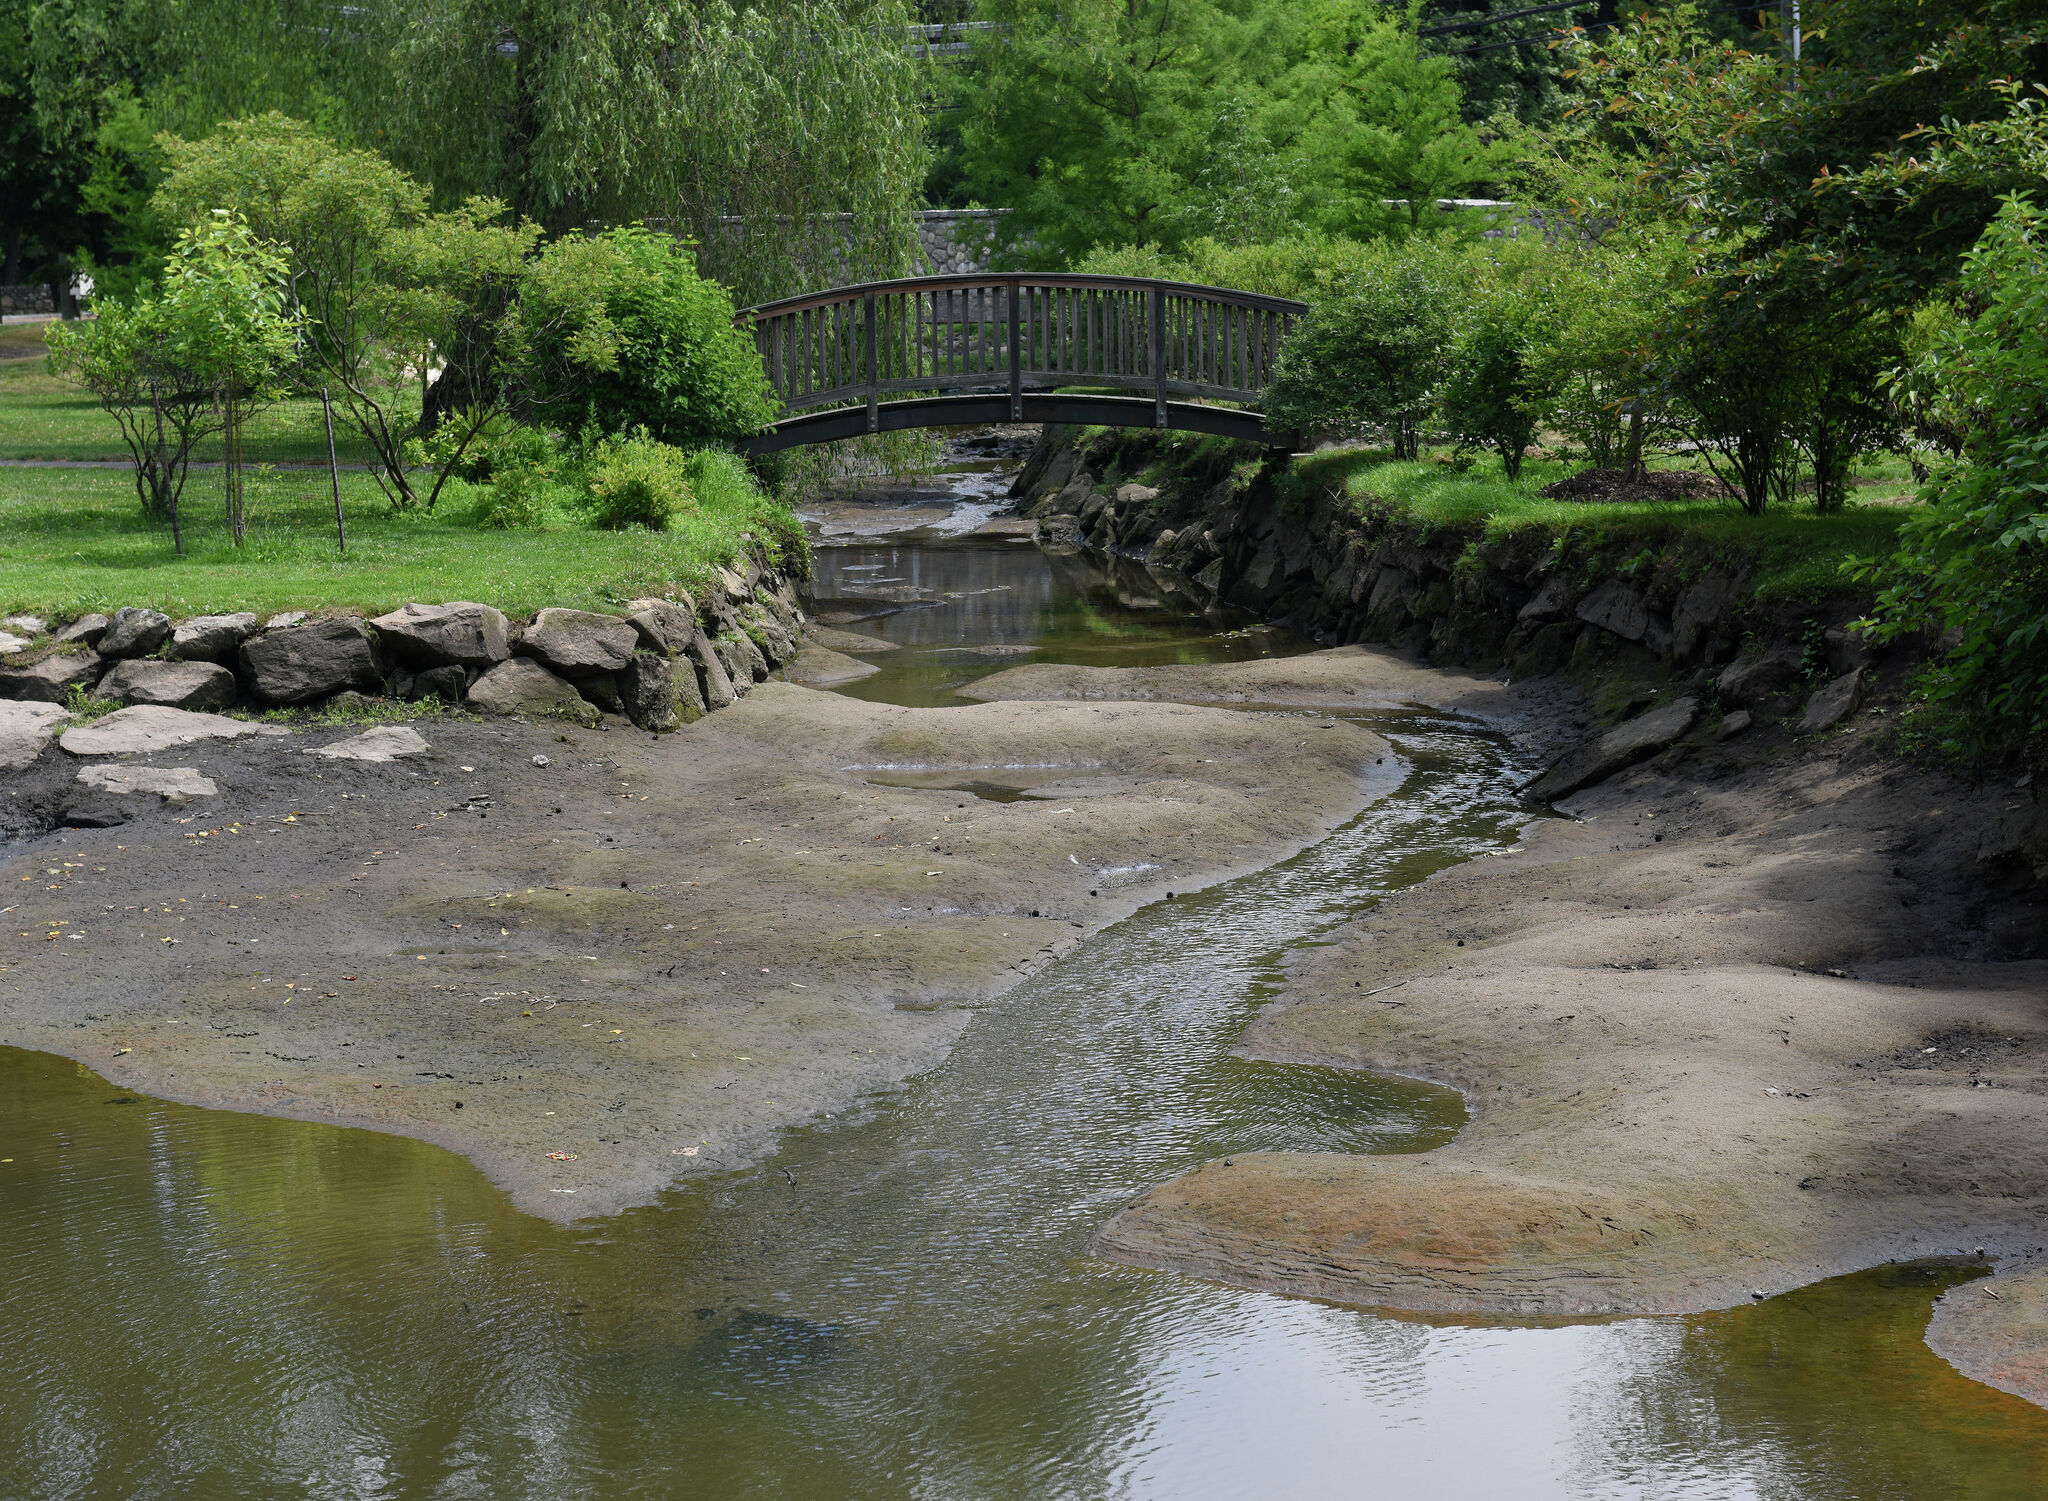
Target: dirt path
648 955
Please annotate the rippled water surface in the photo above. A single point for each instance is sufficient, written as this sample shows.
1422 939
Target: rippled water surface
198 1303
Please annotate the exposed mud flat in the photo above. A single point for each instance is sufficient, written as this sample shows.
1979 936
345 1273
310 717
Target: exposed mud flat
1734 1031
641 959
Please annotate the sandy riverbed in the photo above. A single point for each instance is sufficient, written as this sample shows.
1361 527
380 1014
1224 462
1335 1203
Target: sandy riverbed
1747 1023
649 955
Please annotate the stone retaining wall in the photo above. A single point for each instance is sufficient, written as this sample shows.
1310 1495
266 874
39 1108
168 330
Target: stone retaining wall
663 662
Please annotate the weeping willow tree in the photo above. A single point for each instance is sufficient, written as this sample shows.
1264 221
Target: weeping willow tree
784 136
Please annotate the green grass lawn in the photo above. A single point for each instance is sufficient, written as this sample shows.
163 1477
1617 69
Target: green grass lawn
44 416
73 540
1799 553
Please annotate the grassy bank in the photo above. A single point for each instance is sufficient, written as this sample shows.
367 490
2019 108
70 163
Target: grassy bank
1798 554
75 540
43 416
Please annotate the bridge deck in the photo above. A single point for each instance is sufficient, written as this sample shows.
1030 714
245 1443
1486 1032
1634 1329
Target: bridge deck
1003 340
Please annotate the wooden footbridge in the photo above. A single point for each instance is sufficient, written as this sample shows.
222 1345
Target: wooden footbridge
943 351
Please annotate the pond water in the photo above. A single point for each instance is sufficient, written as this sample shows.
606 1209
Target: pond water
900 1303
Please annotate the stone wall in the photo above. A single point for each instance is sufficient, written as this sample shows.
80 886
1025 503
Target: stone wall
957 241
26 297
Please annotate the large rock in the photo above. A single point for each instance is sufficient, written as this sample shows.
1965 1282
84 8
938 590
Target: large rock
28 625
459 634
647 689
385 743
174 784
135 633
663 625
743 661
712 678
1752 680
444 683
51 680
315 660
1833 703
1553 597
1698 617
152 727
1624 745
212 638
577 642
182 685
86 629
11 644
1617 607
25 728
522 686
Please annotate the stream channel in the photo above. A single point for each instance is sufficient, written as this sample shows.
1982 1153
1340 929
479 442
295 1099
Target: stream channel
899 1303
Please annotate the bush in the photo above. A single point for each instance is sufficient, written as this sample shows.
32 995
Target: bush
1499 386
617 331
499 443
1974 562
1307 267
1368 358
635 480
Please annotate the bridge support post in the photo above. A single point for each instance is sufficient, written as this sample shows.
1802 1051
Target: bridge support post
1156 300
874 383
1016 361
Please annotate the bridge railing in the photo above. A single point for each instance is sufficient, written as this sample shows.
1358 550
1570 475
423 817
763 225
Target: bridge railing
1019 331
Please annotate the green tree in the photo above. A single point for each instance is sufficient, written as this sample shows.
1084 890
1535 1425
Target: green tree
1499 386
1369 357
617 332
1973 563
175 366
390 291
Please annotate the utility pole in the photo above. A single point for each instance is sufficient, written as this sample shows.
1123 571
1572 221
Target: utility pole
1790 38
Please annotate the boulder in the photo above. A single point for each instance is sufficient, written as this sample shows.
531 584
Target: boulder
211 638
444 683
1832 704
713 681
576 643
601 689
1734 724
385 743
1617 607
51 680
153 727
1847 650
777 645
282 621
459 634
86 628
663 625
25 728
28 625
174 784
182 685
744 662
1754 679
134 632
1624 745
818 666
1551 599
648 690
1699 613
305 662
521 685
11 643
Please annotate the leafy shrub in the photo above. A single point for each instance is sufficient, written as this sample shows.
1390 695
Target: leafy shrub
636 480
1368 358
617 331
475 446
1303 266
1973 563
1499 388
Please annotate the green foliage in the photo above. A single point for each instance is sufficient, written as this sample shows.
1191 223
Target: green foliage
1499 387
1615 297
175 366
1368 358
1974 564
618 331
636 480
475 447
388 289
1306 265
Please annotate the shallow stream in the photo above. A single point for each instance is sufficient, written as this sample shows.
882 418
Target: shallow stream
899 1303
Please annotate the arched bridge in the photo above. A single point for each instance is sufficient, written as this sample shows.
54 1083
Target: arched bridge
938 351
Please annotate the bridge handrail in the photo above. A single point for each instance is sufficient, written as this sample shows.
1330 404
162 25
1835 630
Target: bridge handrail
1064 280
